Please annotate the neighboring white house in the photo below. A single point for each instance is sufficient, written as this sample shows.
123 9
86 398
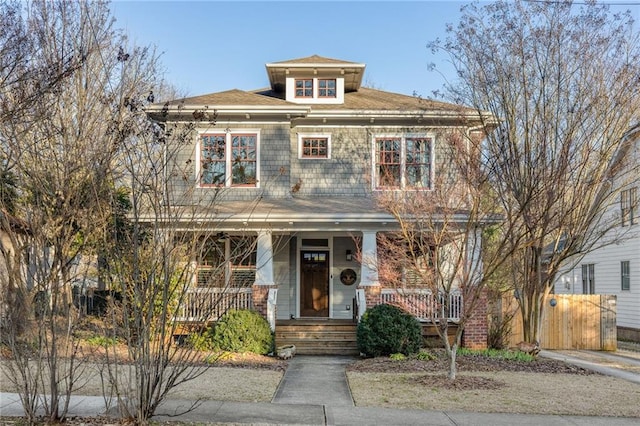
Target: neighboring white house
615 268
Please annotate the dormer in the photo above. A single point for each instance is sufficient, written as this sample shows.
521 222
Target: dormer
315 79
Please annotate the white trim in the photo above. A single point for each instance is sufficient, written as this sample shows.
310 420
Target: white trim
228 175
403 156
302 136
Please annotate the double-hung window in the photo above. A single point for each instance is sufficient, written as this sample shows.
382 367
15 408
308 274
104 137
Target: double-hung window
403 162
629 206
229 159
588 278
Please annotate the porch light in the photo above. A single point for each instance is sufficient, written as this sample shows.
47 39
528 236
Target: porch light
349 256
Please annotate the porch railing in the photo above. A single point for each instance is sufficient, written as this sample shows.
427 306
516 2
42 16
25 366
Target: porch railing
210 303
422 304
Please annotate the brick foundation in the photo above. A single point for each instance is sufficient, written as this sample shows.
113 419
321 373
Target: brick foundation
260 293
476 331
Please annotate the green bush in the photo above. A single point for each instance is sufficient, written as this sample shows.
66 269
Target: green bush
242 331
425 356
397 357
386 329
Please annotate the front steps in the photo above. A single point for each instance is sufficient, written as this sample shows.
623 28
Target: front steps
318 336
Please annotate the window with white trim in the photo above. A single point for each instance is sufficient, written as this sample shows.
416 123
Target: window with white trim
228 159
625 275
403 162
314 146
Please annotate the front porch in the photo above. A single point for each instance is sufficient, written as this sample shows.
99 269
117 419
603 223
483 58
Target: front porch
312 336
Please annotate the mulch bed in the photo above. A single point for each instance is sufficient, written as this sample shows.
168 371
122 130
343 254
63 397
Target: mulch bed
439 367
477 363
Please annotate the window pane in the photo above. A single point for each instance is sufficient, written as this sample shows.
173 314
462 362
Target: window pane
213 160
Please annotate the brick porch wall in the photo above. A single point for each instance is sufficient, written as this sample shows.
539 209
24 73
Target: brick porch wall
260 293
372 295
476 331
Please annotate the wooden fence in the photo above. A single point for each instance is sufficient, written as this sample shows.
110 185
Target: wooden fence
570 321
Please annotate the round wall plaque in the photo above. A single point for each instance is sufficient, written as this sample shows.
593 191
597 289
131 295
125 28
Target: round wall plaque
348 276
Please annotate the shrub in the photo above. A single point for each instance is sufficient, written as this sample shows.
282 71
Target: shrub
398 357
386 329
425 356
242 331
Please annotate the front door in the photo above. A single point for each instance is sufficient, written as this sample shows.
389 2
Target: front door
314 283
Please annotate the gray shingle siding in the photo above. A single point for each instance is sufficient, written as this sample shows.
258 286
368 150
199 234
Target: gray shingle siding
347 173
344 174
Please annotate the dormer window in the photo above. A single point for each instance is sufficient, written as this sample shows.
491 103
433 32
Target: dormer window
327 88
304 88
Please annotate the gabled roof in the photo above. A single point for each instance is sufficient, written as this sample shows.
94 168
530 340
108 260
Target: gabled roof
318 65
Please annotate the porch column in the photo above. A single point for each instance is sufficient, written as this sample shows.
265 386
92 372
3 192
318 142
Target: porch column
369 272
264 259
264 276
474 256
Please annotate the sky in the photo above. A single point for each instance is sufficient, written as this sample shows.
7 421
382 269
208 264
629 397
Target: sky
211 46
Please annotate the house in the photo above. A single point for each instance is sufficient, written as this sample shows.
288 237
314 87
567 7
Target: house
614 267
293 169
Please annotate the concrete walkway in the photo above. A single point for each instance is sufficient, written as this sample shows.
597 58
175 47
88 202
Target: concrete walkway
622 364
314 391
316 380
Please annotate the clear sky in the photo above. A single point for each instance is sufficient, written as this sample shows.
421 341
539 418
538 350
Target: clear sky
211 46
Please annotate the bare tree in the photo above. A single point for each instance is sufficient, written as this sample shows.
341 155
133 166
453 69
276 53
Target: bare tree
64 116
563 80
439 242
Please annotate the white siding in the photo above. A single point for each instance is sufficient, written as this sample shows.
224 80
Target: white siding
608 279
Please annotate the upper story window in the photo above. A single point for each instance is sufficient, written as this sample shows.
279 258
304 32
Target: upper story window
304 88
314 146
326 88
629 206
321 90
228 159
403 162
